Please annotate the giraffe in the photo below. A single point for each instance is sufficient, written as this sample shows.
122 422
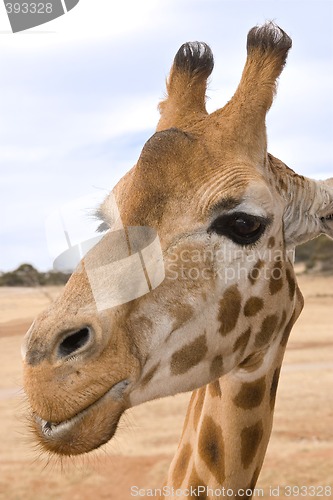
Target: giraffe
233 213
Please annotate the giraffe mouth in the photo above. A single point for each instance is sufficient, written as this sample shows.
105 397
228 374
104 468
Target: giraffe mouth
89 429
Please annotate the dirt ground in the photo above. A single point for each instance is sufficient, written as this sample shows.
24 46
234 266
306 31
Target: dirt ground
300 452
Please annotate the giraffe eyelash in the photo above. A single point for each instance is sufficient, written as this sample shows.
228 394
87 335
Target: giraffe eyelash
103 227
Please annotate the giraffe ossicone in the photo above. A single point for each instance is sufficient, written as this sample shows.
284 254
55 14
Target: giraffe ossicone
228 215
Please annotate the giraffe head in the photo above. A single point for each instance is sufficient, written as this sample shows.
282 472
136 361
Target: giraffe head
228 216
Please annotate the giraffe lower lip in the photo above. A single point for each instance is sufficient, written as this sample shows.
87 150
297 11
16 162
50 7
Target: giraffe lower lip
97 423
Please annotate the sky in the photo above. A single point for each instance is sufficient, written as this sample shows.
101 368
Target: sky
79 95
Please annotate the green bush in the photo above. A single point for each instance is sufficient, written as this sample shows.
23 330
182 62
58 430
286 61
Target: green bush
27 275
317 253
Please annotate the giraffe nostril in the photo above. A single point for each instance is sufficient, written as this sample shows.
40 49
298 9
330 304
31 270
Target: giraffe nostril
73 342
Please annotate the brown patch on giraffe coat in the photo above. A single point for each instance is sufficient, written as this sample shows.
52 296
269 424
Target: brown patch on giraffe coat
251 486
211 448
230 307
216 368
215 389
188 356
274 386
300 297
283 319
271 242
291 283
276 279
195 481
181 465
149 375
198 406
142 323
250 440
251 394
181 314
253 306
255 272
242 341
255 478
287 330
267 330
252 362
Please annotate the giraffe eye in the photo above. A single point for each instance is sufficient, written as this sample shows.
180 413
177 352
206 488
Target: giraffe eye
241 228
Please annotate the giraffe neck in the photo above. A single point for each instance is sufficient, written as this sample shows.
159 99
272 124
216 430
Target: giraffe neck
228 425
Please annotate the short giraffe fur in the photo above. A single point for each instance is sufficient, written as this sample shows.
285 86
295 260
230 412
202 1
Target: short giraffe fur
224 206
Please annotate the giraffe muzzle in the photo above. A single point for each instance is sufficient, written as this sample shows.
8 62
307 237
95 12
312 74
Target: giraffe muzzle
87 430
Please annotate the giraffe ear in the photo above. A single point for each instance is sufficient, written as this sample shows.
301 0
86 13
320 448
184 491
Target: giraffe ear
309 212
326 214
